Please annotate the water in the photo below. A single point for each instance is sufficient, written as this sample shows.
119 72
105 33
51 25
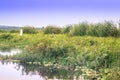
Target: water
16 71
10 71
10 52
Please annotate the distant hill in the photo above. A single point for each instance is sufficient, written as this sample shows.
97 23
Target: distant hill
3 27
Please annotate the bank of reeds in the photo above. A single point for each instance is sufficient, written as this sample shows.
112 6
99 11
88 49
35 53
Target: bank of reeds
104 29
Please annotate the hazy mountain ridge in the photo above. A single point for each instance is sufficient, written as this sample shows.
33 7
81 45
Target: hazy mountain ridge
3 27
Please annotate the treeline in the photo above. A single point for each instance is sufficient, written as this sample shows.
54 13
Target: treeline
26 29
104 29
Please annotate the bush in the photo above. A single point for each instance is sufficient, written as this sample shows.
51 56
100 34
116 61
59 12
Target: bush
52 29
105 29
67 29
92 31
79 29
2 31
14 31
6 36
29 30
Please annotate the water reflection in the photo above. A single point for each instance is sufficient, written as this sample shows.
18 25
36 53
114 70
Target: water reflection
10 52
37 71
49 72
12 71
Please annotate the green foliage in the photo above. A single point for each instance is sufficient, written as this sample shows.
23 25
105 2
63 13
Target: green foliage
29 30
96 53
105 29
52 29
79 29
45 51
5 36
67 29
14 31
2 31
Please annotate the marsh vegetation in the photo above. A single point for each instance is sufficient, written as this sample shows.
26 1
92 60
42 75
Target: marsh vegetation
90 48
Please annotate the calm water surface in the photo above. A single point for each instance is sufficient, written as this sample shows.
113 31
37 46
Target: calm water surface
11 71
16 71
10 52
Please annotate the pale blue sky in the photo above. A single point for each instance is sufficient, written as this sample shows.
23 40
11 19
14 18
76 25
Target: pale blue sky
57 12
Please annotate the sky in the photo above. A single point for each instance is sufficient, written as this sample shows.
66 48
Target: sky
40 13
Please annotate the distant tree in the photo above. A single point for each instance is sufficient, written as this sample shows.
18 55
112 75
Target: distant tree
2 31
5 36
52 29
29 30
67 29
14 31
79 29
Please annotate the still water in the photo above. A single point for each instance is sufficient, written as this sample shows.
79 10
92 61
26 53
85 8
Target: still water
10 52
16 71
11 71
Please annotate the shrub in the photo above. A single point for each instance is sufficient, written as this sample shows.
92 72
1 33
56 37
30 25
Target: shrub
2 31
105 29
29 30
79 29
14 31
92 30
67 29
52 29
6 36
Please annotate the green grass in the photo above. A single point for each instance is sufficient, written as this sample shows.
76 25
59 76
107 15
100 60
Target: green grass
97 53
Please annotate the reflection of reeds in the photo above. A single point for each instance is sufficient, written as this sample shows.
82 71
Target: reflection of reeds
50 73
